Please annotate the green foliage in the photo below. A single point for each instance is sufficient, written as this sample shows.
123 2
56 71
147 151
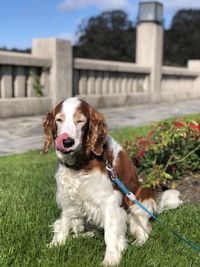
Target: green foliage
109 36
37 86
27 50
168 151
182 39
112 36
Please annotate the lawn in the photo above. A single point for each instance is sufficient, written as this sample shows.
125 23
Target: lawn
28 208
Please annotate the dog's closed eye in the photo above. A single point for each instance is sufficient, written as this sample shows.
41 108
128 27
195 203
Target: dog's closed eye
59 120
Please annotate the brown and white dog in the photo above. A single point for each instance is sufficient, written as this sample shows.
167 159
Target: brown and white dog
85 191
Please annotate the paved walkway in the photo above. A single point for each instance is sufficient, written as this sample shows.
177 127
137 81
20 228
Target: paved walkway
22 134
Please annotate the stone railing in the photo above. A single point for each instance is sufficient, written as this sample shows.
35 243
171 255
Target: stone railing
32 84
110 83
51 72
179 83
21 73
24 84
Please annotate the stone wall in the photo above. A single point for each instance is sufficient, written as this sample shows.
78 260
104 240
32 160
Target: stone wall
21 76
110 83
52 70
32 84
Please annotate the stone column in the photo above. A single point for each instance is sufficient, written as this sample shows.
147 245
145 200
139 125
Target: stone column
20 81
60 52
194 65
149 53
6 82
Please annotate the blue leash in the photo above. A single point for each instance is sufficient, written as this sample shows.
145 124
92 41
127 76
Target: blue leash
132 197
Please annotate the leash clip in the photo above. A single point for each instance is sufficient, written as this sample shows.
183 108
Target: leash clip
110 170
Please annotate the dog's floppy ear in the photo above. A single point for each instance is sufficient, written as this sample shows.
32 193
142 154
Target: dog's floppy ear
48 125
50 128
97 132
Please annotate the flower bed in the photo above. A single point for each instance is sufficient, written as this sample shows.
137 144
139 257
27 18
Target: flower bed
169 150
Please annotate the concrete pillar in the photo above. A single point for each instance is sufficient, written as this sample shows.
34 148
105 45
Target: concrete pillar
30 83
6 82
20 81
149 52
60 52
194 65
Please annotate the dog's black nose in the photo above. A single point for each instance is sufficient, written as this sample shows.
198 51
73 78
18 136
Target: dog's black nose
68 142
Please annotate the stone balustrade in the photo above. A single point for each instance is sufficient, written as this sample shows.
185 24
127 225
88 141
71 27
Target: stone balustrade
179 83
33 83
21 73
24 84
108 83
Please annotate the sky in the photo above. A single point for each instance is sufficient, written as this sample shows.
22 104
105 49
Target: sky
23 20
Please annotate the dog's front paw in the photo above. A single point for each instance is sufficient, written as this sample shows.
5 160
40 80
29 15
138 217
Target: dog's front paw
138 243
112 258
57 240
141 240
87 234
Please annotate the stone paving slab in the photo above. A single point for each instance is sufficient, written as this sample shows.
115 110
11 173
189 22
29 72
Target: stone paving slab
22 134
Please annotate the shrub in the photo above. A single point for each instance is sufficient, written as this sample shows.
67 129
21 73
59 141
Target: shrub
170 150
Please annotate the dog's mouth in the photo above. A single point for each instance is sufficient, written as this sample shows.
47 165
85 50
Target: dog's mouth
62 146
67 152
72 151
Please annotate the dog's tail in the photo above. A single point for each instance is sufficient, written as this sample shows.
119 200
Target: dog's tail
169 199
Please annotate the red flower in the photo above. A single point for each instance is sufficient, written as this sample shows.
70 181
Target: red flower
178 124
141 153
142 141
194 126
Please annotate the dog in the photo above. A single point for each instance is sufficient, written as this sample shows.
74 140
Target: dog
85 192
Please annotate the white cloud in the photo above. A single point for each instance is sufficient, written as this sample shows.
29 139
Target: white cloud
73 5
179 4
174 5
131 6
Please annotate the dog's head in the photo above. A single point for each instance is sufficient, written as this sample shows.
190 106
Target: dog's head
74 126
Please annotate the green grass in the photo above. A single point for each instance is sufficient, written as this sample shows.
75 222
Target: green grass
28 208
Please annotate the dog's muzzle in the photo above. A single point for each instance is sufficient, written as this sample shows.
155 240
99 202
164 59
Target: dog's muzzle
63 142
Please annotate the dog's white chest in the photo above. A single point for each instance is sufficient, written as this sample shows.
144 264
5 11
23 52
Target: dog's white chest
88 192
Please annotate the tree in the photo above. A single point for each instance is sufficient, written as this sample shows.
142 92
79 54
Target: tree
182 40
112 36
109 36
27 50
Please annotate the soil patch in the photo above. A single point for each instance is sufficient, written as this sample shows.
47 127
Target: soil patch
190 188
